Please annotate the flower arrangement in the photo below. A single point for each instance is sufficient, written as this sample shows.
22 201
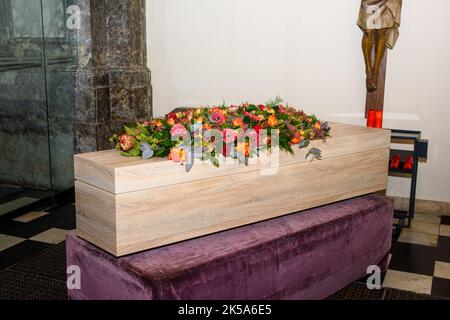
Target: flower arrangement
243 130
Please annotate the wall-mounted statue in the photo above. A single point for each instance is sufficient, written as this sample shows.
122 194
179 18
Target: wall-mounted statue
379 20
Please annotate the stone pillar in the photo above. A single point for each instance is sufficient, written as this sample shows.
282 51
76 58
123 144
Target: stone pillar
113 83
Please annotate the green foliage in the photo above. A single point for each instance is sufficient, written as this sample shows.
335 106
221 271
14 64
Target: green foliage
274 102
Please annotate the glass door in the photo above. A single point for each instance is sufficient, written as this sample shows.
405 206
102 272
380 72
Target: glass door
60 51
37 62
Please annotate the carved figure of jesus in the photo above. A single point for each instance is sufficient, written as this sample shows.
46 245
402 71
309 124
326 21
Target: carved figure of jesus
379 20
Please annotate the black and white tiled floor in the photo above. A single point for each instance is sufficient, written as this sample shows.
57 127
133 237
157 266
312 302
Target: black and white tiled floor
33 255
420 259
32 259
14 197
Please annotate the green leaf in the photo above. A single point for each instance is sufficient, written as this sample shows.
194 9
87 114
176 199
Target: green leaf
167 143
252 108
143 130
130 131
135 152
160 152
126 154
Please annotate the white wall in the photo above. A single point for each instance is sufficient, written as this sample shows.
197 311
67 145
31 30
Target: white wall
206 51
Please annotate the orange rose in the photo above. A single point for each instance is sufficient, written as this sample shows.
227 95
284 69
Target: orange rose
238 122
126 142
296 140
273 121
157 123
170 122
177 155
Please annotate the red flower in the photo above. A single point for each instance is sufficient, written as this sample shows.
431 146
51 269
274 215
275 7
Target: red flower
172 115
126 142
252 116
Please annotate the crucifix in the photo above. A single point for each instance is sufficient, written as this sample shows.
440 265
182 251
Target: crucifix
379 20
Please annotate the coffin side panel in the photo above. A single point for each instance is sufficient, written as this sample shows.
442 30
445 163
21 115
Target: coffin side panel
96 216
160 216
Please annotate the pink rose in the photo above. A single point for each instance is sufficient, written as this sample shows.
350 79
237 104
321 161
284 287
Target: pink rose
178 130
217 117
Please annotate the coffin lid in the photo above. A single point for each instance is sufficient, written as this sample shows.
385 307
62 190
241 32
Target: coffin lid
116 174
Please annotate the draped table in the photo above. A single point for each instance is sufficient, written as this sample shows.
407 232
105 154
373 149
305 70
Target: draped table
306 255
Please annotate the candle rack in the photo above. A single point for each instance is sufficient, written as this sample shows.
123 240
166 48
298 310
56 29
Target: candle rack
419 153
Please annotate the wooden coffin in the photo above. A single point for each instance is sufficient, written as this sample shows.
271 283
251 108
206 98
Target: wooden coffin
125 205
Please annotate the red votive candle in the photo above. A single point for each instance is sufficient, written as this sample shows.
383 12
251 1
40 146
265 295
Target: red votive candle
379 119
371 118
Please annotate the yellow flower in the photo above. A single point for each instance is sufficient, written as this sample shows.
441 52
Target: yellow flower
318 126
272 111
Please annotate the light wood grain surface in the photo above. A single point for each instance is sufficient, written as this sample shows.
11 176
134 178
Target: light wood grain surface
167 205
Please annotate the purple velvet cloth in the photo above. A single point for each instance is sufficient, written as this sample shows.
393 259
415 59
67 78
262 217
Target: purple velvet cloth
306 255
